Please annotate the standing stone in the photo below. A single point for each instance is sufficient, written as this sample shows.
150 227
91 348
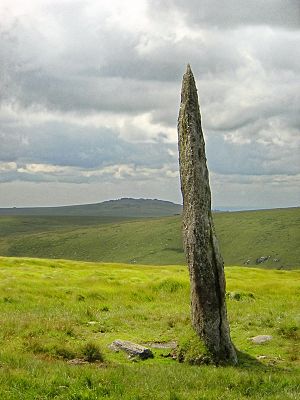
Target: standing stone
205 262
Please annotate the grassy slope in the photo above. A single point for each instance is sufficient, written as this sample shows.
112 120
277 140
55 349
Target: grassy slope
243 236
24 228
252 234
50 310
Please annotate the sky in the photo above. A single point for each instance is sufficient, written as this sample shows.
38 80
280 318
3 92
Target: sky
90 93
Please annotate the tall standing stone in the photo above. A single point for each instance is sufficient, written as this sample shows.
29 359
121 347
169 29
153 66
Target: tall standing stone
209 316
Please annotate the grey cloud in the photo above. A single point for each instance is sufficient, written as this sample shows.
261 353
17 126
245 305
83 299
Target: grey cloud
109 85
250 192
166 61
128 173
251 158
100 69
247 72
279 52
282 13
69 145
104 71
85 94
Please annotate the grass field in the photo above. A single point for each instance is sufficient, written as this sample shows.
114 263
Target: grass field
243 236
54 311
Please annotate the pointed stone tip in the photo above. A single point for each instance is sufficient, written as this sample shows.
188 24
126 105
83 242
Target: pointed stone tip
188 68
188 75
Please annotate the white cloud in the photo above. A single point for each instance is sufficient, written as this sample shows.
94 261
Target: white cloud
8 166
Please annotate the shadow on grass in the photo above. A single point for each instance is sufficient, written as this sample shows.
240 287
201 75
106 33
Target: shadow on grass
251 363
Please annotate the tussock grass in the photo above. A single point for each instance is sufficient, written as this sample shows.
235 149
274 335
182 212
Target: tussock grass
54 311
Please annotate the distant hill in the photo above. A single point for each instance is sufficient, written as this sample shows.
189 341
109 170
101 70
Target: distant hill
125 207
269 236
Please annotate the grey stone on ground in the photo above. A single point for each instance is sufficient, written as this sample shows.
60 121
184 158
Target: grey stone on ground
133 349
262 259
261 339
163 345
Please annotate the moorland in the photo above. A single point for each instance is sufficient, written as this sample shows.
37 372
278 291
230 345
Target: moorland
72 284
149 235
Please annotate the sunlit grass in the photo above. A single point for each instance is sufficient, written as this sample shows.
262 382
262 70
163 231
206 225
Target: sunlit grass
53 311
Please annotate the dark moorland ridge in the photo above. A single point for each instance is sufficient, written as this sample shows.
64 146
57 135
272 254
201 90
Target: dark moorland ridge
244 237
125 207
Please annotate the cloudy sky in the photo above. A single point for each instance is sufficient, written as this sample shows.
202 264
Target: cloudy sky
90 92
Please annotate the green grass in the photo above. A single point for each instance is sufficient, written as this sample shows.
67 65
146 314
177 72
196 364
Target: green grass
54 310
243 236
252 234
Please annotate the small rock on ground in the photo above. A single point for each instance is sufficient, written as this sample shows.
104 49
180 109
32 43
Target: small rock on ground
133 349
261 339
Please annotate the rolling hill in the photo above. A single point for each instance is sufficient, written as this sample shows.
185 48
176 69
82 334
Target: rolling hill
125 207
244 237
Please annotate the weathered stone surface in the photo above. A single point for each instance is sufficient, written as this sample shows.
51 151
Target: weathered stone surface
261 339
163 345
200 242
133 349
